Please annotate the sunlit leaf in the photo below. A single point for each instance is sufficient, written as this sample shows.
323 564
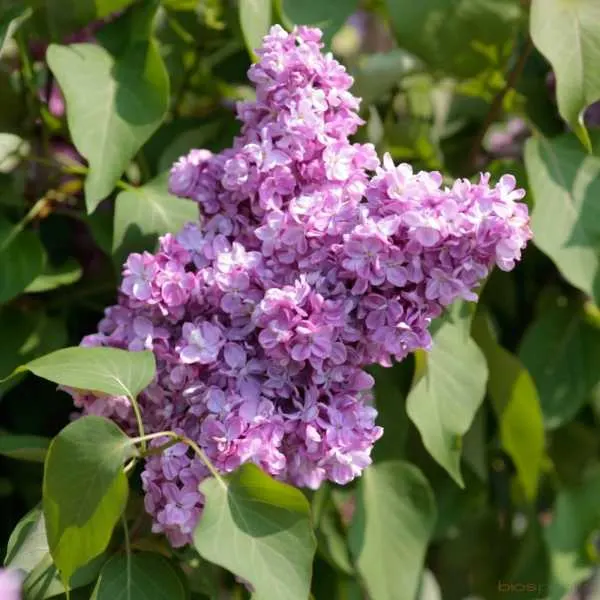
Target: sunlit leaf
567 34
52 277
565 182
143 214
260 530
115 101
11 18
393 523
443 402
255 20
29 553
105 370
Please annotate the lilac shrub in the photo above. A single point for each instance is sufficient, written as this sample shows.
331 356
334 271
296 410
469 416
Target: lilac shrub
311 260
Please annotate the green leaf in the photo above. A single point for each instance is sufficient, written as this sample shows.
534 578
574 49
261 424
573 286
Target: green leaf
255 20
27 544
328 16
144 576
475 445
391 388
576 517
101 225
11 18
105 370
44 581
146 213
529 562
260 530
394 520
115 102
22 259
573 450
329 530
458 37
429 589
567 34
194 137
85 490
24 447
28 551
52 277
565 183
377 74
12 114
517 407
562 352
471 561
68 16
26 335
9 151
443 403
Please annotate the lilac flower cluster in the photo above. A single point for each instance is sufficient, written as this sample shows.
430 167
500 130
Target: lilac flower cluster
311 261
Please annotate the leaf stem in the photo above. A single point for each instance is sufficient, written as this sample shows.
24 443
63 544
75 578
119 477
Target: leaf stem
30 216
123 185
76 170
205 460
27 77
161 449
140 423
176 439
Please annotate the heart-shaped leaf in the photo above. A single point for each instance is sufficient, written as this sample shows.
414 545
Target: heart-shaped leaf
260 530
394 520
115 100
143 214
255 20
565 182
567 34
22 259
517 407
24 447
443 402
106 370
144 576
85 490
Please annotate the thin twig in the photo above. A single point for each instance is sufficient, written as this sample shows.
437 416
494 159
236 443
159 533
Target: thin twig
138 417
496 105
35 210
184 440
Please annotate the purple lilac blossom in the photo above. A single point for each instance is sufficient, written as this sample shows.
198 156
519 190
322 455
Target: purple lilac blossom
507 141
10 584
311 261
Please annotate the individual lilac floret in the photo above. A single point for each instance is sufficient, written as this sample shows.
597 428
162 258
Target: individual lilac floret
10 584
310 262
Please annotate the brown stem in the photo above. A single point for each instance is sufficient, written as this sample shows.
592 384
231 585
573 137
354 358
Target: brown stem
496 105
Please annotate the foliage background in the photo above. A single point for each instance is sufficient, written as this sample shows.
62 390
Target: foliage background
452 85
